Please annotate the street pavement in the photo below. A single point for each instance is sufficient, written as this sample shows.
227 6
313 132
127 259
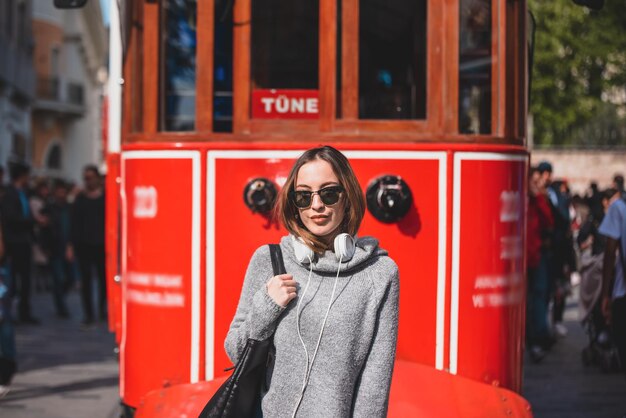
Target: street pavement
68 372
63 370
560 386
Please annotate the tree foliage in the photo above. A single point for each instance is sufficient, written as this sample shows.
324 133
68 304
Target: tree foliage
578 94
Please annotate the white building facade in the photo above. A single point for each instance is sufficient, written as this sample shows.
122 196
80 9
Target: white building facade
17 81
70 57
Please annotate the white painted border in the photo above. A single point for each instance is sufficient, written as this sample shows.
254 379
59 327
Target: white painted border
194 156
459 157
124 251
212 156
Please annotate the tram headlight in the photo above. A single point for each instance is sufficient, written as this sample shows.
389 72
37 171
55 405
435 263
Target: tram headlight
388 198
259 195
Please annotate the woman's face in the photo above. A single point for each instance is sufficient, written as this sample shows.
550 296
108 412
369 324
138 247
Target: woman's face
320 219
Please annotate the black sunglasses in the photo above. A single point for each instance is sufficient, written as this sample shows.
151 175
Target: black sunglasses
329 195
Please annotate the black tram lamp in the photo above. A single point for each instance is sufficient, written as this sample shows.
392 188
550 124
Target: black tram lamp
388 198
592 4
259 195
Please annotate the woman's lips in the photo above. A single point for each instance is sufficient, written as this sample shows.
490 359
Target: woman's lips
319 219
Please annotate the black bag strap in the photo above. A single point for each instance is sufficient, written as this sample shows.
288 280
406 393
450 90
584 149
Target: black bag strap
277 259
240 396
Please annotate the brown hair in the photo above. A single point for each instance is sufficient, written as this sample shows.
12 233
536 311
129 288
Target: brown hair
287 212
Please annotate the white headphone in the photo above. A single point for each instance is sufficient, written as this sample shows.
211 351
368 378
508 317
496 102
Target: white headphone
344 244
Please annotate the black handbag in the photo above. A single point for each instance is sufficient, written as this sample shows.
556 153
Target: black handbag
240 395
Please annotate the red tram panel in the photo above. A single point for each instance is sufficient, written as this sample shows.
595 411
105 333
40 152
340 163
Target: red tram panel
161 270
488 292
417 243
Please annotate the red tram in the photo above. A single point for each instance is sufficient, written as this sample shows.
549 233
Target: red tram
428 99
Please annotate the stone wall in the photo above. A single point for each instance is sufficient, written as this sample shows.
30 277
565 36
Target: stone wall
580 167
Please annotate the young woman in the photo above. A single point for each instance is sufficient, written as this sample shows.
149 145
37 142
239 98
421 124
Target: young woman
334 316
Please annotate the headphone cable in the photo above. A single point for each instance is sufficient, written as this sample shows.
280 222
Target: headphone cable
307 374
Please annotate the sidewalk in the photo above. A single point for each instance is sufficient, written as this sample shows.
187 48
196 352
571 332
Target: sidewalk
63 371
561 387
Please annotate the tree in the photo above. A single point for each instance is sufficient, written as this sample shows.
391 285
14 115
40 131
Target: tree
579 74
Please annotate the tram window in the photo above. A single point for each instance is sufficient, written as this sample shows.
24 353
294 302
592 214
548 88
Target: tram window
392 59
223 67
178 84
475 62
284 44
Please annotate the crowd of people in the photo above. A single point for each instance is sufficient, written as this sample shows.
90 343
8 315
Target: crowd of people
58 228
574 236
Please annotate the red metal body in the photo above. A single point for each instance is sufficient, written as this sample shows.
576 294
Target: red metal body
187 236
416 391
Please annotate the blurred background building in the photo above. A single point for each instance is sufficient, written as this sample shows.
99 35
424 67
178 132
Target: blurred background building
69 58
17 79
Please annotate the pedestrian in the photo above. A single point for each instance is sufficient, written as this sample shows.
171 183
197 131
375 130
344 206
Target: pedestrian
594 201
41 245
618 183
613 226
17 222
589 238
2 186
591 244
335 345
539 228
87 242
61 268
8 364
563 259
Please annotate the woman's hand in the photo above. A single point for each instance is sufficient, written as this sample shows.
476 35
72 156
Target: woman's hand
282 289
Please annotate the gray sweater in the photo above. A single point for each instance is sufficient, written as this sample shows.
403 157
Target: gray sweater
352 372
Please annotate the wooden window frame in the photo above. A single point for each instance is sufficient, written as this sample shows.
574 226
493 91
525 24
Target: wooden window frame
516 74
243 123
499 82
350 121
132 121
205 36
498 66
441 122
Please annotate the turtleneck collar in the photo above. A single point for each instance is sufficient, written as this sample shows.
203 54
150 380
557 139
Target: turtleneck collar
366 249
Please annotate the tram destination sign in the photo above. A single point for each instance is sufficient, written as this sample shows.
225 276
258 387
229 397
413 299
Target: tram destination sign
285 104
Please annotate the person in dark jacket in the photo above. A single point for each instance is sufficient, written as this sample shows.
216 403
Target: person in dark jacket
2 186
87 238
17 222
563 259
61 268
8 364
539 227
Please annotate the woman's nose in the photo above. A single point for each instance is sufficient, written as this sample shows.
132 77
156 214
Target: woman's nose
316 203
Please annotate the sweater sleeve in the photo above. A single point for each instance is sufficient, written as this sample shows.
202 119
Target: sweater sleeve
372 391
257 312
